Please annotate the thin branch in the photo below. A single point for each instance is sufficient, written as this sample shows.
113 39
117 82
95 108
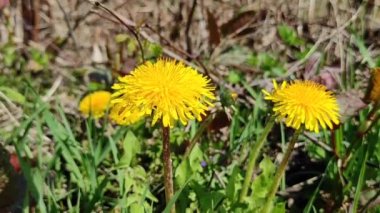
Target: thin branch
188 25
123 22
316 142
322 39
371 201
172 46
67 20
53 89
74 27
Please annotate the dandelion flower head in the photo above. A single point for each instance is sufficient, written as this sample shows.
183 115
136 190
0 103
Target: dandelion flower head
167 90
304 103
95 104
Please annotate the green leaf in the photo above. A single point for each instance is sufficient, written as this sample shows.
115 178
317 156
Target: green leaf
13 95
209 200
289 35
361 179
68 145
131 147
267 62
309 205
136 207
359 42
189 166
267 167
195 158
10 54
262 183
175 197
120 38
236 55
133 198
234 77
279 208
234 184
154 50
40 57
316 152
183 172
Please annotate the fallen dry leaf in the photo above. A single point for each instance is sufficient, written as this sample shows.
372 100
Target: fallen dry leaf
350 103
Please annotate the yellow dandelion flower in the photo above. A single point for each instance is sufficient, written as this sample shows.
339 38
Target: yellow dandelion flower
95 104
167 90
373 91
304 103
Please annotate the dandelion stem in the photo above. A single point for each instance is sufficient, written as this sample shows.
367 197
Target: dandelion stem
253 154
280 172
168 168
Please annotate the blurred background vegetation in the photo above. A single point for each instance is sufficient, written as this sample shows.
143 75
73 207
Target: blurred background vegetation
54 52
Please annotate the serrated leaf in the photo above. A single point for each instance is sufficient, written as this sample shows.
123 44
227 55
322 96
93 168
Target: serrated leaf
261 184
131 147
195 158
182 173
234 184
189 166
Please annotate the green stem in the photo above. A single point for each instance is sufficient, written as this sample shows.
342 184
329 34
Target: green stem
283 147
372 118
168 167
280 172
253 154
361 179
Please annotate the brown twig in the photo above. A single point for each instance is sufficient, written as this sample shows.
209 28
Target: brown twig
36 16
74 27
316 142
172 46
371 201
188 25
105 17
322 39
338 21
145 35
123 22
67 20
31 20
